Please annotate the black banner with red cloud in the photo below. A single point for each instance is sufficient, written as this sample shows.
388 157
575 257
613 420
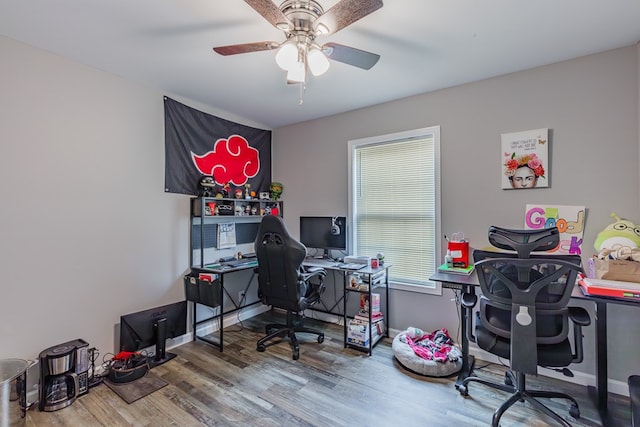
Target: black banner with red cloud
198 144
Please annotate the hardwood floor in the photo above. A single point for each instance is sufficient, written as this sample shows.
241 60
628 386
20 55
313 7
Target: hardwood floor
328 386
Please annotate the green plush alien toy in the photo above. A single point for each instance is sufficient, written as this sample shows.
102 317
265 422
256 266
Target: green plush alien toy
620 233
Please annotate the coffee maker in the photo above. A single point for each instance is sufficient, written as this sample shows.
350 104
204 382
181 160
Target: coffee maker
64 374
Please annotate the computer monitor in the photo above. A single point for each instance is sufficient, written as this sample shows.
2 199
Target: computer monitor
324 232
152 327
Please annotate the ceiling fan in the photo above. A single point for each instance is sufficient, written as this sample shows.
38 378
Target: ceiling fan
302 22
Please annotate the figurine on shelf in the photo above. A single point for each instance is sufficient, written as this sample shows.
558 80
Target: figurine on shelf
238 193
226 190
247 192
275 190
207 184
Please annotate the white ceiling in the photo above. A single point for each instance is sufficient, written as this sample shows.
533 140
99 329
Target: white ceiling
424 45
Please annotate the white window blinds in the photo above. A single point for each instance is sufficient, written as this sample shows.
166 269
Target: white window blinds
395 202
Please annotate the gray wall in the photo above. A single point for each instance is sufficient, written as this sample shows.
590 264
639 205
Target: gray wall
591 106
86 231
88 234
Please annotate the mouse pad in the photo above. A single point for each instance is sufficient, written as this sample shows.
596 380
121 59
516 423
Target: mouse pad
130 392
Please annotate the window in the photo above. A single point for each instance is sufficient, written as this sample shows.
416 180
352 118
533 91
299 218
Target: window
394 202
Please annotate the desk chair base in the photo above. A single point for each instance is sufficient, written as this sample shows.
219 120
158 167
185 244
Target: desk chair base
293 325
517 386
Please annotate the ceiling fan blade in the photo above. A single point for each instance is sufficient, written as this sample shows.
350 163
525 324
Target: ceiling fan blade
270 12
350 55
235 49
344 13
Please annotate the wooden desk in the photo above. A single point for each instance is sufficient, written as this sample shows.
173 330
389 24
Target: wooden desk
600 392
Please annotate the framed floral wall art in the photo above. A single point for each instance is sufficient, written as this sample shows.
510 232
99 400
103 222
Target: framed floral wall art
525 159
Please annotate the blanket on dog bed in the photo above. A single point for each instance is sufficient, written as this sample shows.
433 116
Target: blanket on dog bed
432 354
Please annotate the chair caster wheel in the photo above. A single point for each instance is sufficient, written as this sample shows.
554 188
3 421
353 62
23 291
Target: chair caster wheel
296 354
261 347
463 390
574 411
320 339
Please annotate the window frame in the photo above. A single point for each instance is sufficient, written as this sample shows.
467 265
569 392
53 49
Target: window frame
434 288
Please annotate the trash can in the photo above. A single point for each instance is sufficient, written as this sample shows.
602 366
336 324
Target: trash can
13 388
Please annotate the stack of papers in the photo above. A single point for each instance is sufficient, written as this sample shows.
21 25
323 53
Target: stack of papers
456 270
610 288
227 235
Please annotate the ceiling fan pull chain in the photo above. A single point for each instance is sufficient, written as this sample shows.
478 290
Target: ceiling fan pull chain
301 101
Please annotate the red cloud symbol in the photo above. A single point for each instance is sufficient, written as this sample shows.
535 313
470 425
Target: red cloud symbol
231 161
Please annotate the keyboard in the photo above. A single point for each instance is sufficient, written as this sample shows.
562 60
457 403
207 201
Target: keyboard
351 266
241 262
313 262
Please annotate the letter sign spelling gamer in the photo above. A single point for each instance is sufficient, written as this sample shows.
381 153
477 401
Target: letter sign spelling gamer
568 219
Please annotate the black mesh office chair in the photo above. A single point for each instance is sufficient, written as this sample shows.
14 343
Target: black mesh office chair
283 282
523 314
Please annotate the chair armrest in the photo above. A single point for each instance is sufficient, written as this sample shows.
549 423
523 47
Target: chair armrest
579 316
468 300
309 290
310 272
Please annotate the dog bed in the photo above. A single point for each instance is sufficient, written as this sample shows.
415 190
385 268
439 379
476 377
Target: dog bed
407 357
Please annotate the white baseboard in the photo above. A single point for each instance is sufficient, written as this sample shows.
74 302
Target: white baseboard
211 327
581 378
324 317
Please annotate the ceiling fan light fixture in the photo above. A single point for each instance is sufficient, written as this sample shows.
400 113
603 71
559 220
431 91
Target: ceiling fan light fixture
303 21
287 56
297 73
318 62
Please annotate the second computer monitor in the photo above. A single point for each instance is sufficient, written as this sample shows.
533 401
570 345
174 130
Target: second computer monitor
324 232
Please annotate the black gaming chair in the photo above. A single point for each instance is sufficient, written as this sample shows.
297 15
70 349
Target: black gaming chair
523 314
283 282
